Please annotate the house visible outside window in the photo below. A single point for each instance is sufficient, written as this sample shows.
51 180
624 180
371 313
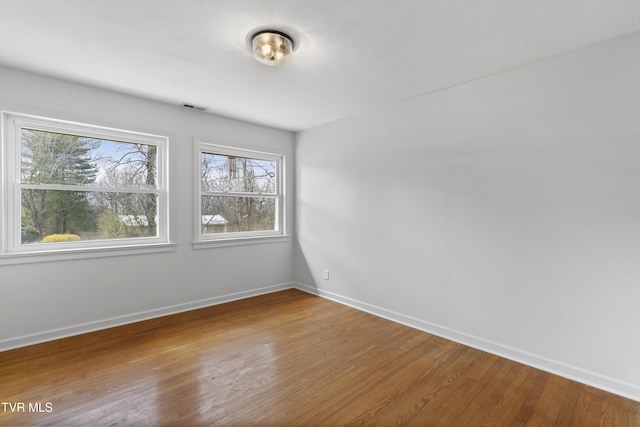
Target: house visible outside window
72 186
240 194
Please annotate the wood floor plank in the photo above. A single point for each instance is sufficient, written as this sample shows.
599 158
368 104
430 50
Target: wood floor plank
538 382
287 359
479 408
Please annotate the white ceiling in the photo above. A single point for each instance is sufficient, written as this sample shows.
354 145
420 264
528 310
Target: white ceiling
352 55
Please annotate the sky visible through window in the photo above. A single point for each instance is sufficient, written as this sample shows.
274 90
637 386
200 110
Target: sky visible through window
73 185
224 173
50 158
239 193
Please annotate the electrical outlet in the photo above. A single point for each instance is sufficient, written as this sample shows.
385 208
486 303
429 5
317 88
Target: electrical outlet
326 275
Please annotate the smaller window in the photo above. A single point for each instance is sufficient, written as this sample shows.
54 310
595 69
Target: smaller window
239 194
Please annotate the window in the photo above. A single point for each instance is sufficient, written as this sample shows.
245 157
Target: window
71 186
240 194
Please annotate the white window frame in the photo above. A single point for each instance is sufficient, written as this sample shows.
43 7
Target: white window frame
11 248
204 240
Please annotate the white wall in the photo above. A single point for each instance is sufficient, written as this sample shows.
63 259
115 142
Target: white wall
504 213
45 300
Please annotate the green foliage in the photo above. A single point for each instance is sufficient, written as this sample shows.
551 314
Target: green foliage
55 158
52 238
29 234
111 227
70 164
114 226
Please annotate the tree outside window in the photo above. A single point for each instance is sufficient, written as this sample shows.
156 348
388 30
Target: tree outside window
77 183
240 193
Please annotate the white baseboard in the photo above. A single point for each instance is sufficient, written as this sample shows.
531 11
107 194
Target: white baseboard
54 334
584 376
613 385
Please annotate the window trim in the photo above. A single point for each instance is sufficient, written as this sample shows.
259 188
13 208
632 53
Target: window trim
11 248
207 240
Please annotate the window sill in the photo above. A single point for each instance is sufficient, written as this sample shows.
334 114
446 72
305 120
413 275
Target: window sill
74 254
238 241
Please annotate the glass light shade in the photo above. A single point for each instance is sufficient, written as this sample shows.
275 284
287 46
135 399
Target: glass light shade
272 47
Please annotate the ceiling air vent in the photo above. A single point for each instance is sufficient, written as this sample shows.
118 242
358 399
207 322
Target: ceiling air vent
194 107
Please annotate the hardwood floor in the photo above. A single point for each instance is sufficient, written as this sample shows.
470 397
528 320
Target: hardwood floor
287 358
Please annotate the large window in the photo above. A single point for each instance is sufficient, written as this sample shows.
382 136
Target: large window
72 186
240 194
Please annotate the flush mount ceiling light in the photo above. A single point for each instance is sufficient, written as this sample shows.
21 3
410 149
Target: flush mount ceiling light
272 47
